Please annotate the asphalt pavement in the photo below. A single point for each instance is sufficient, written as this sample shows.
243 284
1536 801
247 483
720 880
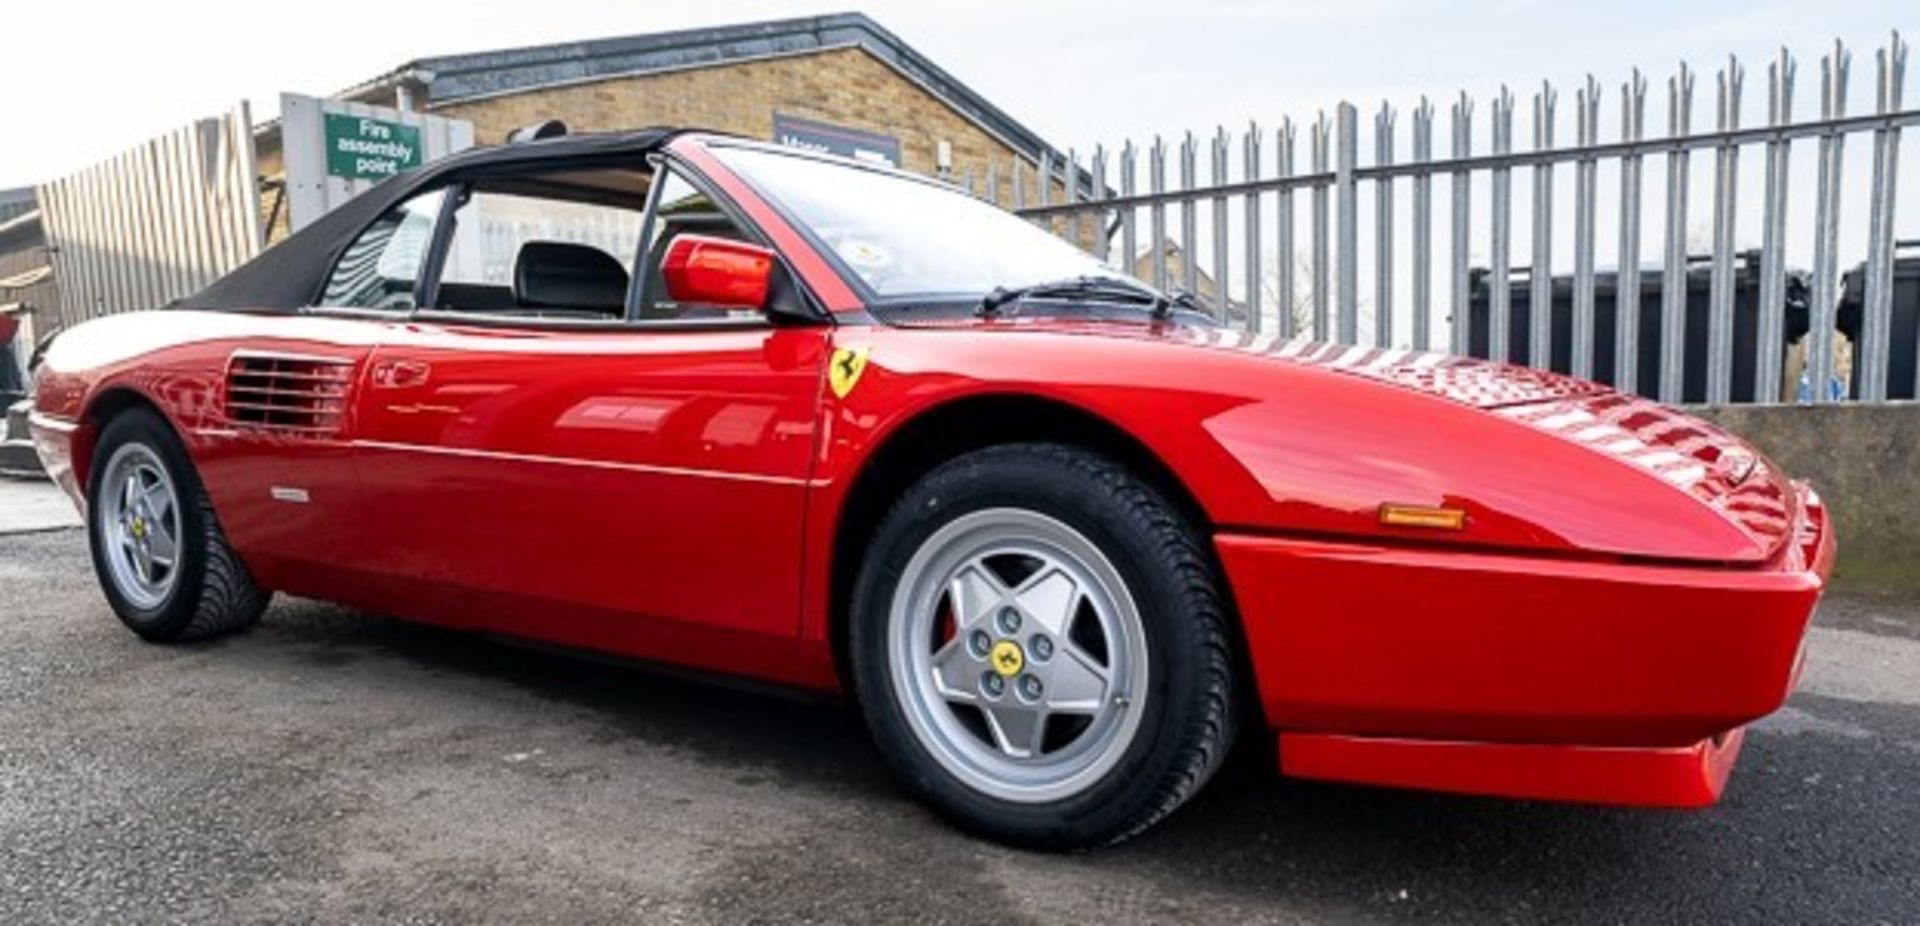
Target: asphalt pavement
334 766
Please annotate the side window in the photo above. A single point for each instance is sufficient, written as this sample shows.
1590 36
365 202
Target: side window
379 269
562 256
684 210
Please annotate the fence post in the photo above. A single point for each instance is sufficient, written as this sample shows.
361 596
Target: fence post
1826 224
1075 219
1189 217
1129 240
1102 240
1673 289
1322 296
1587 130
1423 227
1876 331
1499 290
1222 288
1462 189
1726 175
1250 155
1347 227
1626 281
1383 230
1540 274
1044 174
1772 323
1283 235
1157 213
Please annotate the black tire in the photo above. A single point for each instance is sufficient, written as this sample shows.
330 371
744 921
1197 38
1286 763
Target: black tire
212 594
1188 721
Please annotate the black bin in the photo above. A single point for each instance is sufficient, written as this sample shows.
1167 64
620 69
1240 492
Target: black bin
1905 330
1746 323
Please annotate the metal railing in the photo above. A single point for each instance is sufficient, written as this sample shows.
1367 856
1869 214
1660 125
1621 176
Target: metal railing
1200 233
155 222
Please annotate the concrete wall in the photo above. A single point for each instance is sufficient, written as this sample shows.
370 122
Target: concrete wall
1864 460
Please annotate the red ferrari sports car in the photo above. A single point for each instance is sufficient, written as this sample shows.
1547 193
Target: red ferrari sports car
702 401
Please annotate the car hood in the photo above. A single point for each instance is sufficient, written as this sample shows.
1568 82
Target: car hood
1693 456
1737 507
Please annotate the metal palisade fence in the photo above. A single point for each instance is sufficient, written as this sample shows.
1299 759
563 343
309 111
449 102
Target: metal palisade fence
1662 297
155 222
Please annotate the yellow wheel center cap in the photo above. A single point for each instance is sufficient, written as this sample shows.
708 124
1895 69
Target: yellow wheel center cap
1007 658
139 527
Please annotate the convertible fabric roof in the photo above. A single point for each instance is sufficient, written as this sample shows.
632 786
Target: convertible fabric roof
290 275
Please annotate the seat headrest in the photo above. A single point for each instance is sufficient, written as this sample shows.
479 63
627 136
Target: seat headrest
556 275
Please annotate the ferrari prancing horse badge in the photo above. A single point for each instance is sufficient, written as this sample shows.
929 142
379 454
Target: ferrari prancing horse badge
843 371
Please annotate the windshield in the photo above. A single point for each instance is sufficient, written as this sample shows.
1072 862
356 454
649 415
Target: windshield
906 237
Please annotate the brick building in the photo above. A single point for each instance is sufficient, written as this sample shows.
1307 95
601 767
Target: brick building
817 79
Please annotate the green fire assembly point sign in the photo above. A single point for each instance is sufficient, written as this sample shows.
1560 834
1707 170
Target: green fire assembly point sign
359 148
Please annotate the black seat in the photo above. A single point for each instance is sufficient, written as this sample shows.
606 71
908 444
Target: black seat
569 277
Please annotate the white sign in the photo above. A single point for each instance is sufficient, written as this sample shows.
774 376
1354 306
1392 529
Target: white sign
336 150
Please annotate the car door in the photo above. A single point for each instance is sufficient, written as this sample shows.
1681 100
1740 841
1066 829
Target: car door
280 463
539 461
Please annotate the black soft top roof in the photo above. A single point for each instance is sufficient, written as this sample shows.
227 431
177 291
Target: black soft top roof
290 275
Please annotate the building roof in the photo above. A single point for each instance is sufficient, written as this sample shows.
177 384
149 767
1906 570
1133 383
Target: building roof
452 78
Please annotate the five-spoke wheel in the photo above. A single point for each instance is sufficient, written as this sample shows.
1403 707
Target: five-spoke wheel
1018 649
162 559
1040 648
140 515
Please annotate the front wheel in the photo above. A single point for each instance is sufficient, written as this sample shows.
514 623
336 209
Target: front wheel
159 552
1040 647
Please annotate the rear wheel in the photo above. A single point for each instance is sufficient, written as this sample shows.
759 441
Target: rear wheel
1039 645
157 548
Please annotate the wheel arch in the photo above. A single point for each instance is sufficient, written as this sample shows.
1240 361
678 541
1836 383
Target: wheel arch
102 407
943 431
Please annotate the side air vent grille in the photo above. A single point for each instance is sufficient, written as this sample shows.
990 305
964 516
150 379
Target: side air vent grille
297 395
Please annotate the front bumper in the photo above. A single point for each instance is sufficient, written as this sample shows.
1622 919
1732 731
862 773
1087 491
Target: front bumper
1495 673
53 441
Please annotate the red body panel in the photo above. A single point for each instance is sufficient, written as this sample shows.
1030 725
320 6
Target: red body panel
660 475
1270 445
1628 584
1467 646
1496 675
1682 776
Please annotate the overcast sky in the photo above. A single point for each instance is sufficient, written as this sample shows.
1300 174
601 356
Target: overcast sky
79 80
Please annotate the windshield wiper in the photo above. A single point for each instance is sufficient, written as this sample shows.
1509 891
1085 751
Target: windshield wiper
1180 299
1086 287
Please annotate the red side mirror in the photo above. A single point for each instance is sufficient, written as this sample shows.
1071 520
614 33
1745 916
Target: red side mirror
717 272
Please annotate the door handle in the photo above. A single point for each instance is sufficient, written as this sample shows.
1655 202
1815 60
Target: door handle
399 374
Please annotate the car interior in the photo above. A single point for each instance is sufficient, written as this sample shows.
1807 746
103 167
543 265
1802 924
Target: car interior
554 245
545 246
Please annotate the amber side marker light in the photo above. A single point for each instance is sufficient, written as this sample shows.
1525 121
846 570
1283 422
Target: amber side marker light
1428 516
